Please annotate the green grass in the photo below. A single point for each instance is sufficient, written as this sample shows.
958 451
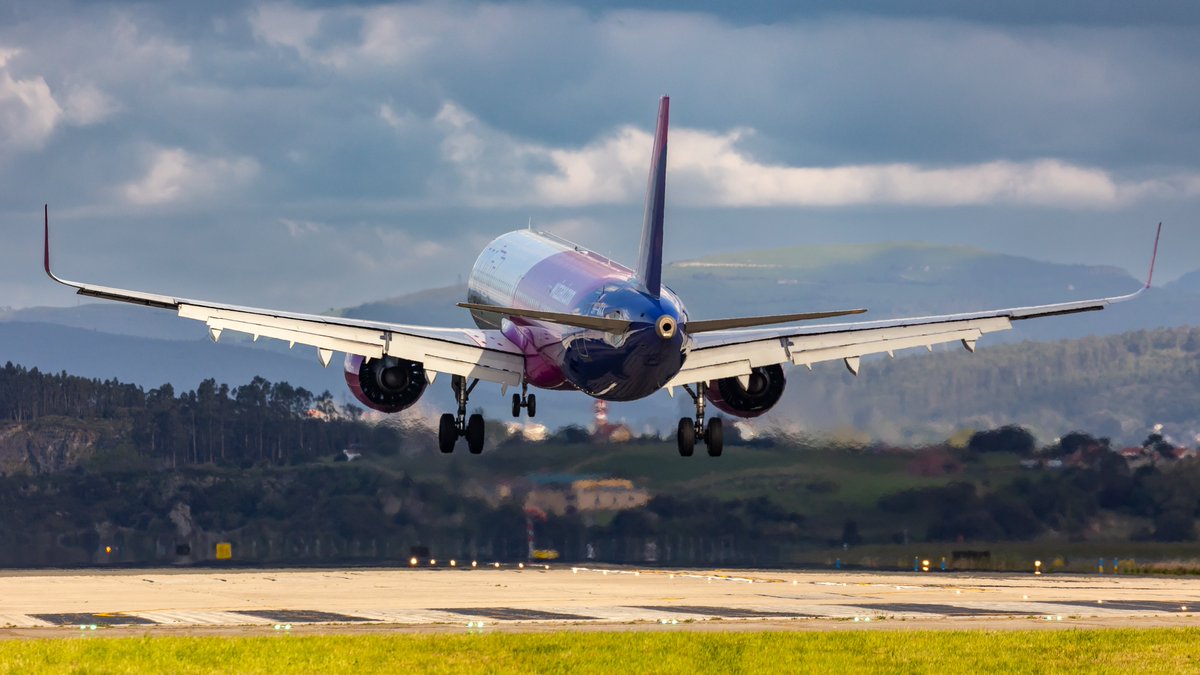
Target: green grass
1048 651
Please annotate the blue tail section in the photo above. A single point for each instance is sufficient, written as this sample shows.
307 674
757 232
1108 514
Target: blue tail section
649 268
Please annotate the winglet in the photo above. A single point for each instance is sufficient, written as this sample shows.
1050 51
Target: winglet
46 260
1153 257
649 269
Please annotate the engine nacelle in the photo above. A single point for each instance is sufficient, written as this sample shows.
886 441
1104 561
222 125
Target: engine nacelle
388 385
764 391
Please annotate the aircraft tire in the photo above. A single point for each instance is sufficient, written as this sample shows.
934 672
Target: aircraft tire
475 434
686 437
531 405
516 399
447 433
714 437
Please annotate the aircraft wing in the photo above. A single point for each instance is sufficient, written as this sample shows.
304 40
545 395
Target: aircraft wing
472 353
734 353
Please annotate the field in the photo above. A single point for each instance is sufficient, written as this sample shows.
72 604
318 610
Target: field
826 485
1046 651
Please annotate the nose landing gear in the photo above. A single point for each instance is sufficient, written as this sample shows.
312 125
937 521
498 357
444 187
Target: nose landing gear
451 426
711 433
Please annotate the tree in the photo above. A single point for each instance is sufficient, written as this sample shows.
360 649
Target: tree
1175 525
850 535
1009 438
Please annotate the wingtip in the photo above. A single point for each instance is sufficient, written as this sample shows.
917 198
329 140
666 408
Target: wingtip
46 240
1153 257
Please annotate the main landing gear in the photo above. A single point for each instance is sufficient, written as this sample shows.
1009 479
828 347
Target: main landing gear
690 430
524 400
451 427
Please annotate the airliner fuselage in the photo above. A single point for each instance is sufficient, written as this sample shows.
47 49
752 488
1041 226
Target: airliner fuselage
533 271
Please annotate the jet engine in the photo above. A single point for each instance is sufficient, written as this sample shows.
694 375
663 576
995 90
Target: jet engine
388 385
763 392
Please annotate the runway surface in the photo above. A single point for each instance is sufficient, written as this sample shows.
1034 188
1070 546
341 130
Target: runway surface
330 600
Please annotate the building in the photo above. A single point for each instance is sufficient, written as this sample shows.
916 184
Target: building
559 495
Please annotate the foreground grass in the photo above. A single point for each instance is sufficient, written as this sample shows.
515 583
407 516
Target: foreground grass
1151 651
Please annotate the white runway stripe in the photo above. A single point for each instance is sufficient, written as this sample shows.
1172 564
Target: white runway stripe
22 621
627 614
408 616
201 618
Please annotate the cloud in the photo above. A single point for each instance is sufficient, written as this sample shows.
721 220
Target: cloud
28 111
87 105
177 176
452 121
711 169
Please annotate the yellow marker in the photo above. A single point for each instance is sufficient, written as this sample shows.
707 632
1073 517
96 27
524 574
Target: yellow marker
108 550
224 551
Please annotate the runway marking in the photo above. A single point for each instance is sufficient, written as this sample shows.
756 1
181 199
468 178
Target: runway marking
409 616
515 614
944 610
630 614
302 616
202 618
1155 606
724 612
22 621
83 618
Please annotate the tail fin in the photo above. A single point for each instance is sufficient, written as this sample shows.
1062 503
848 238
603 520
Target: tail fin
649 269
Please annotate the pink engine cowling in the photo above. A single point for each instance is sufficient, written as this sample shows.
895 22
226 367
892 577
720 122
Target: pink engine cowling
388 385
764 391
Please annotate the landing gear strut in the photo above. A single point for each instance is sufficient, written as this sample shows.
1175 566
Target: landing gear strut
711 433
524 400
451 427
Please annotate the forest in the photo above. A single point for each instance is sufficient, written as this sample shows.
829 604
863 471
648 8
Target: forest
213 424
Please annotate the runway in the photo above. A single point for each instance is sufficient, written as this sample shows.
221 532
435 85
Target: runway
576 598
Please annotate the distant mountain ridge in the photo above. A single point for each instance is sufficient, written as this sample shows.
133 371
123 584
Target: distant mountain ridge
1189 282
890 280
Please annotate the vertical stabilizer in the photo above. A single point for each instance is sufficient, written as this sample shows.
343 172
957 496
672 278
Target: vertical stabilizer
649 268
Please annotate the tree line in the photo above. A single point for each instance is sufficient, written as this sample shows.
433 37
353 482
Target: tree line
257 422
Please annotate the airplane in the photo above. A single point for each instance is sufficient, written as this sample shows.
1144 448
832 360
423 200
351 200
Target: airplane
554 315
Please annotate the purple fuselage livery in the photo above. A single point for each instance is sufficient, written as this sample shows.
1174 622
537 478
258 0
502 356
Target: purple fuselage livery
528 270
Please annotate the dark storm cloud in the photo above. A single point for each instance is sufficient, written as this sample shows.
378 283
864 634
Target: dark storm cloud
318 154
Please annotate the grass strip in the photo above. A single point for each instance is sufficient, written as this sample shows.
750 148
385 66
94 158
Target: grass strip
1036 651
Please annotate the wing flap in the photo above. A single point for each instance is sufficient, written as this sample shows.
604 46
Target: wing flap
882 345
738 359
494 363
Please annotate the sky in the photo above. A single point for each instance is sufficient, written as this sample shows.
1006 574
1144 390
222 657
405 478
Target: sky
312 155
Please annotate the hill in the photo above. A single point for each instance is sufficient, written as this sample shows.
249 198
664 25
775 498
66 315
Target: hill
1117 386
1189 283
150 362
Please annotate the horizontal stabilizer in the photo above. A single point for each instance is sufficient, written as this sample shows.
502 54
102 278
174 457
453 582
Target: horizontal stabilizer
694 327
615 326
